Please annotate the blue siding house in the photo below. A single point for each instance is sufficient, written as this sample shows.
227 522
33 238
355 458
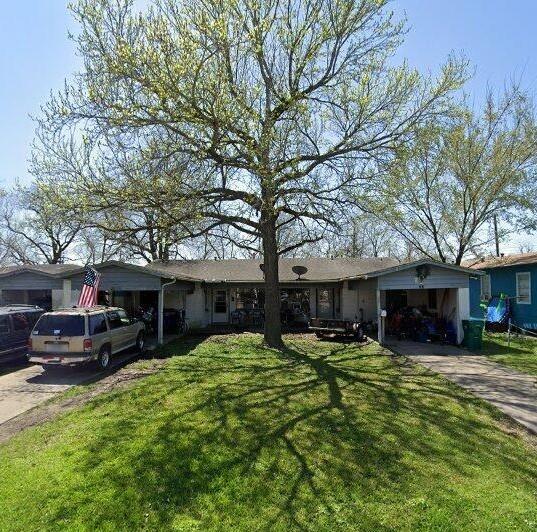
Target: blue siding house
512 275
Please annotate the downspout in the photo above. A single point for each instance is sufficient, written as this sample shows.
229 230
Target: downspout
160 324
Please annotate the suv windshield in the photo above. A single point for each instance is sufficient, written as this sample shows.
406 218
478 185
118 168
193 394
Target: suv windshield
57 325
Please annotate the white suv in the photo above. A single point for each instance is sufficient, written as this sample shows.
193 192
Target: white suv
77 336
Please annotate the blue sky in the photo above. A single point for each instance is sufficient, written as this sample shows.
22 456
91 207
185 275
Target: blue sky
36 55
497 36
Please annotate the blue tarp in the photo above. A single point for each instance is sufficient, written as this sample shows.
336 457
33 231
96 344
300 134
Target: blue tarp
497 309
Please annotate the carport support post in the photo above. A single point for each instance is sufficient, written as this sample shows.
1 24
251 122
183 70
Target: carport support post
160 317
66 293
380 332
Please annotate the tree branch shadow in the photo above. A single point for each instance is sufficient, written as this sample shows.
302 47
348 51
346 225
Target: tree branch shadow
339 413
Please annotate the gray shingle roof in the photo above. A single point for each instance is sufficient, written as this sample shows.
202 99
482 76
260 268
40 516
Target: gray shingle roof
47 269
413 264
519 259
248 270
122 265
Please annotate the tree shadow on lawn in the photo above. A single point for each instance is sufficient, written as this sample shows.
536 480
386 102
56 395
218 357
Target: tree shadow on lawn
497 345
286 440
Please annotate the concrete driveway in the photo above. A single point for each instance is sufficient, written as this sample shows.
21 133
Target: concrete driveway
25 388
514 393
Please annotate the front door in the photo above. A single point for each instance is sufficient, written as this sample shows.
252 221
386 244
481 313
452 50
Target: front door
220 306
325 303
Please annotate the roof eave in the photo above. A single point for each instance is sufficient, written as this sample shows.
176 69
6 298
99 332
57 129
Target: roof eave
409 265
261 281
19 271
154 272
513 265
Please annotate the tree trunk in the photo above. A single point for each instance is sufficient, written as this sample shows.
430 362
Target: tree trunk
273 327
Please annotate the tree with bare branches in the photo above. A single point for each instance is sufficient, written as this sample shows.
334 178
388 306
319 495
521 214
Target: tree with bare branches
32 230
444 189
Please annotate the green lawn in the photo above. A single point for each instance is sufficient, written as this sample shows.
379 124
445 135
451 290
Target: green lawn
520 355
233 436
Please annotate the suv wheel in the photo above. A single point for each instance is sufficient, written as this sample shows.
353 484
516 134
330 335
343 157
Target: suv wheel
140 342
103 360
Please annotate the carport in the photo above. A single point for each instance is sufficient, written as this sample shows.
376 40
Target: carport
39 284
129 285
438 289
126 285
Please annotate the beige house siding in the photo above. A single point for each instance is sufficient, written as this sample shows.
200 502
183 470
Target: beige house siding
195 308
367 299
349 302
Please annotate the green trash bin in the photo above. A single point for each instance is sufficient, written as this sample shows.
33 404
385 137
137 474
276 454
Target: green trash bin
465 330
473 334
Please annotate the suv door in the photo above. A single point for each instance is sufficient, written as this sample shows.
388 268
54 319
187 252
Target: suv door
118 330
60 333
98 331
130 328
21 329
6 337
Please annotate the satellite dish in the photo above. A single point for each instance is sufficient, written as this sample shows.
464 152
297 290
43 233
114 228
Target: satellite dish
262 267
299 270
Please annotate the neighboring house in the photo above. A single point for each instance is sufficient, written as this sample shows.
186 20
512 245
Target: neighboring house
211 291
514 276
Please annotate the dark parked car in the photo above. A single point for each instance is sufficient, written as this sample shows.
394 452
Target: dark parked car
16 322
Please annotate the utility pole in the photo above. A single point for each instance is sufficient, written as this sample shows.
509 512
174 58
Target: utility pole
496 236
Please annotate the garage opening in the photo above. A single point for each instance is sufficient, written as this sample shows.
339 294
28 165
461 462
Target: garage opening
422 315
144 305
39 298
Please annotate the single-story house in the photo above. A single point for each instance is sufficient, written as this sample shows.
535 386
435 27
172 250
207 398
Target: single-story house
512 275
212 292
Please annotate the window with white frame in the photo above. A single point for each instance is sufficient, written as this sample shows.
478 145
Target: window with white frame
523 288
485 287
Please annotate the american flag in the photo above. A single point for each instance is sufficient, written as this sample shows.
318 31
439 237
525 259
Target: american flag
90 288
